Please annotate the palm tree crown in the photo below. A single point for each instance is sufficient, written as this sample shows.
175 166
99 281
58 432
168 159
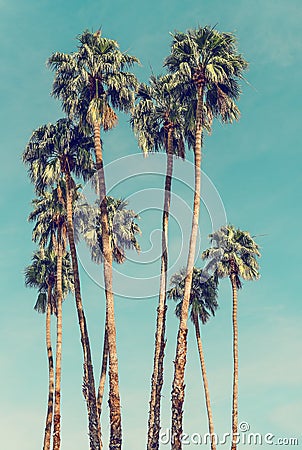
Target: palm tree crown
93 81
42 272
233 251
204 291
205 56
55 149
122 226
158 111
49 215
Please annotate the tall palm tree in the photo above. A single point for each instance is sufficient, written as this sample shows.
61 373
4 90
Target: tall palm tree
233 254
208 66
41 274
45 284
123 231
158 122
53 154
91 83
50 228
203 304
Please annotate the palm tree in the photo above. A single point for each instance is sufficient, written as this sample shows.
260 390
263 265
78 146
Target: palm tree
41 274
91 83
158 122
203 304
45 284
233 254
123 230
55 152
208 66
50 228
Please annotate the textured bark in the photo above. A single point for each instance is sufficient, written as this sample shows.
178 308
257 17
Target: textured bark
235 361
88 378
159 348
103 373
57 405
114 395
178 392
49 414
178 386
205 382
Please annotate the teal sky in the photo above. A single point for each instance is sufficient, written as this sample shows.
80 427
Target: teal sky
256 168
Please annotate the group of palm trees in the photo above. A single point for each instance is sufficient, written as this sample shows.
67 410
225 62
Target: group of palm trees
170 113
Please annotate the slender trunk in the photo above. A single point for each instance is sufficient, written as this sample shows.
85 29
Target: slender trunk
205 383
235 361
88 378
47 434
178 386
158 366
103 373
114 395
57 406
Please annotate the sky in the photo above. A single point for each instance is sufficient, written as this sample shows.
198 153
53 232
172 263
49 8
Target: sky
255 167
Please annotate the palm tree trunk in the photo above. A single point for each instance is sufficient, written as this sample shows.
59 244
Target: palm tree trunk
235 361
57 406
178 386
205 382
88 379
103 373
158 366
114 395
47 434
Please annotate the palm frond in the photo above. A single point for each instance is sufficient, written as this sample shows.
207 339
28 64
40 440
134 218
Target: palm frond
203 296
233 251
211 57
94 80
122 226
